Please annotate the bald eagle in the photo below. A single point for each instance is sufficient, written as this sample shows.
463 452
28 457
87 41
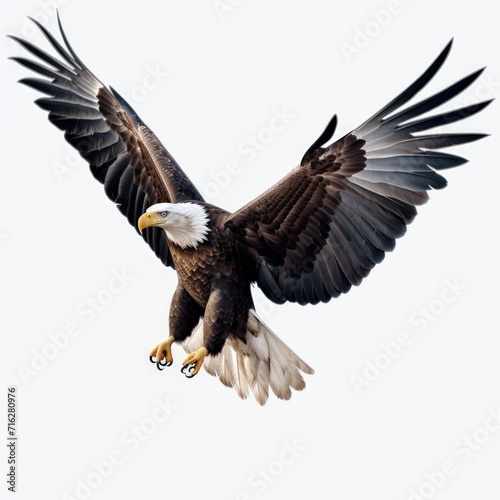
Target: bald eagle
307 239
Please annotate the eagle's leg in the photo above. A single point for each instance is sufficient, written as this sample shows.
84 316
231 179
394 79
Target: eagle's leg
217 323
194 362
184 316
163 351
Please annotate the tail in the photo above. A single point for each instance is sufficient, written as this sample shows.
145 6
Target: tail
263 361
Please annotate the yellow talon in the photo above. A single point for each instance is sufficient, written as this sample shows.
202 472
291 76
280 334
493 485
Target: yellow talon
163 350
196 358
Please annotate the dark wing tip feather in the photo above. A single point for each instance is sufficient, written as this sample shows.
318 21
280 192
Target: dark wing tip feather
445 118
70 48
41 54
325 136
433 101
57 46
411 91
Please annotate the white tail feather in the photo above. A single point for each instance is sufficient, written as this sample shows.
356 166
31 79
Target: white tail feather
263 361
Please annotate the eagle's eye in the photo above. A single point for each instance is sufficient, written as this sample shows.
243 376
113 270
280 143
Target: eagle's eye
163 214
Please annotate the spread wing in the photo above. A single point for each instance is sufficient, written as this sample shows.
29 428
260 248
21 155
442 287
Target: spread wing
323 227
123 153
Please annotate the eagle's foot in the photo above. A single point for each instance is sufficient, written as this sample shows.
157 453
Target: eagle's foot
193 363
162 354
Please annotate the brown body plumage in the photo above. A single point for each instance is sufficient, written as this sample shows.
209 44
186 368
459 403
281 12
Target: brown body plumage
216 276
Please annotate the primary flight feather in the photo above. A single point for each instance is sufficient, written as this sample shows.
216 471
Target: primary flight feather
309 238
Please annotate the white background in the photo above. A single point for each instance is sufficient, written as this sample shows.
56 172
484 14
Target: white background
61 240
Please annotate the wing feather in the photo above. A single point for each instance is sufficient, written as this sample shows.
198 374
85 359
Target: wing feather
134 167
323 227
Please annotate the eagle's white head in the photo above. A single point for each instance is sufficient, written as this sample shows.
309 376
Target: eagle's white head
186 224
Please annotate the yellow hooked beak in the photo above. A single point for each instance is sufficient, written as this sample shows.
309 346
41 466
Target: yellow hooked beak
147 220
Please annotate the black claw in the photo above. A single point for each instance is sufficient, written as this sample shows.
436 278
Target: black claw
189 369
160 364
